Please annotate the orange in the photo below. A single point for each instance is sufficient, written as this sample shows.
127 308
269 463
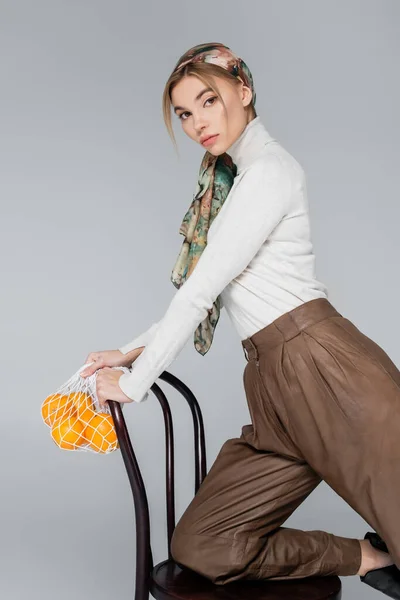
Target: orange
100 433
84 406
55 407
68 433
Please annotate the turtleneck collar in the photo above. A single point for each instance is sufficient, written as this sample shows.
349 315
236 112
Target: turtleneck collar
248 146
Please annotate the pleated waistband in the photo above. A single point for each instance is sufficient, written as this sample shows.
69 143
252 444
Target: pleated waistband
288 325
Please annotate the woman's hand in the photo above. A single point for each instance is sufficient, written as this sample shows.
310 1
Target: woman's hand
107 386
110 358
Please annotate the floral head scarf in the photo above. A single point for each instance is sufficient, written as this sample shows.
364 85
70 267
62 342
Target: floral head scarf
215 179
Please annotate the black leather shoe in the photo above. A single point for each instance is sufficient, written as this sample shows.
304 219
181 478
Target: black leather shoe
386 579
376 541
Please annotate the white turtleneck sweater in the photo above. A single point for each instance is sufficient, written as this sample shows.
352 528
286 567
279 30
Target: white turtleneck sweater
259 258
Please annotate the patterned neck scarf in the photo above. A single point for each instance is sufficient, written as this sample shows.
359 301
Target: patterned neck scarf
215 180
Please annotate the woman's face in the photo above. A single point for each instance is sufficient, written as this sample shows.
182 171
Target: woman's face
202 113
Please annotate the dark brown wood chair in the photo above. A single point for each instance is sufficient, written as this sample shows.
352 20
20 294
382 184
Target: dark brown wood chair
167 580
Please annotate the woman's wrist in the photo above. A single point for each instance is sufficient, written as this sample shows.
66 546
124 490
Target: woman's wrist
133 354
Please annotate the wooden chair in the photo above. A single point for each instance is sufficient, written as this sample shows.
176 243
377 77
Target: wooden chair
167 580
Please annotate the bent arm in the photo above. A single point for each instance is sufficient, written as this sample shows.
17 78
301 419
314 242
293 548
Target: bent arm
251 211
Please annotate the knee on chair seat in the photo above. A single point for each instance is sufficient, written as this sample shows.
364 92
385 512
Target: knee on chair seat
220 559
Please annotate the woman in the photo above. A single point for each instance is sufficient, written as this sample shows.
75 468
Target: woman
324 399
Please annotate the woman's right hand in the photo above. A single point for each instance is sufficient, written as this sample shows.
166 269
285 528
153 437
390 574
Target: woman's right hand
110 358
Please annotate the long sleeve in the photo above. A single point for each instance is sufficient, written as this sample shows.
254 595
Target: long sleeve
141 340
144 338
256 203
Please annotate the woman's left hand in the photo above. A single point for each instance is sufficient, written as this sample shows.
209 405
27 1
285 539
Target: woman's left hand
107 386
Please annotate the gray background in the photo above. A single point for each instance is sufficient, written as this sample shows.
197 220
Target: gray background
92 196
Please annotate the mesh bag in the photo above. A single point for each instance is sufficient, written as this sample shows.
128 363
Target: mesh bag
75 418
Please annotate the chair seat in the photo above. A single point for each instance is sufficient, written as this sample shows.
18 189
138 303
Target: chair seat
170 582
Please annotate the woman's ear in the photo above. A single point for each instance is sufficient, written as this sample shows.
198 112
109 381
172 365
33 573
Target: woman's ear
246 95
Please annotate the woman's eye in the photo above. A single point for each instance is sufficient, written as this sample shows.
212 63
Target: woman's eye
211 98
185 113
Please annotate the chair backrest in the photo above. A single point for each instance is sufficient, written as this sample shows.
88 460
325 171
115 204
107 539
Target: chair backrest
144 560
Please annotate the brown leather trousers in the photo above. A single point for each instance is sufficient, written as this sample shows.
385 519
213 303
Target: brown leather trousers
324 401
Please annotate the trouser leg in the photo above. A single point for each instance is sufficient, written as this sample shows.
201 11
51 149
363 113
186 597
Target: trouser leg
232 528
341 406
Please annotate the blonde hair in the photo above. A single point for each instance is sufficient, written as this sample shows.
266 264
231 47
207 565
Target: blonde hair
207 73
